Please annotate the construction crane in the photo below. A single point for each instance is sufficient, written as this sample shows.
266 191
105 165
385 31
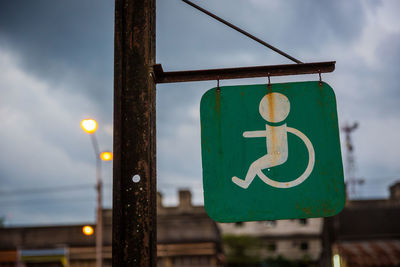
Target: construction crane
352 181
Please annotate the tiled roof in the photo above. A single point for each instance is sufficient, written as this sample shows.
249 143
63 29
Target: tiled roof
370 253
368 220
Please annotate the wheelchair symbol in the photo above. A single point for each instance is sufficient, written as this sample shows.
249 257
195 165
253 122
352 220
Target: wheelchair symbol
275 107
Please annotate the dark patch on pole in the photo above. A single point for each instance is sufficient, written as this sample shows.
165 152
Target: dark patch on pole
134 200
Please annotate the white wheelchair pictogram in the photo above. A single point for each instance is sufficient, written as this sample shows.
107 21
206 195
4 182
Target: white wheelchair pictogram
274 108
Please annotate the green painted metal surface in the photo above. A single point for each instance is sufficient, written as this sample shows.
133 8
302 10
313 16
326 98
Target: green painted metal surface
271 152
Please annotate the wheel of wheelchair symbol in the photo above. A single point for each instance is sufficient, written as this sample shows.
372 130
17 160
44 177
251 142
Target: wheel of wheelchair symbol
306 173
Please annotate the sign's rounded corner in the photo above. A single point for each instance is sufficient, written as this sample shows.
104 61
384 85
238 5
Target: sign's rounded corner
340 208
206 94
342 205
214 216
329 88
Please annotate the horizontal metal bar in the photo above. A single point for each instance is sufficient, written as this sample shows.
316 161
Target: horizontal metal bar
237 73
242 31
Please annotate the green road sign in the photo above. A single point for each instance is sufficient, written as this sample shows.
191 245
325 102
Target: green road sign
271 153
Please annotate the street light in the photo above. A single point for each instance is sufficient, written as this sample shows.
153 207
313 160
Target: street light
336 260
90 127
106 156
87 230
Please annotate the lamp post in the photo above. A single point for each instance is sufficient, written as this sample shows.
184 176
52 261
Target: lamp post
90 127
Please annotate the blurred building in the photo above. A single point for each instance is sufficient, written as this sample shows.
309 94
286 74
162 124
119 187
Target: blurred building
292 240
186 236
365 233
51 245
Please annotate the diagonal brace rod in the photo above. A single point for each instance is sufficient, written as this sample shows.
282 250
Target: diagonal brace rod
242 31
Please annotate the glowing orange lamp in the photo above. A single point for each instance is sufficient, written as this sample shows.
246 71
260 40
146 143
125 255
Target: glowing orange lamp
87 230
89 125
106 156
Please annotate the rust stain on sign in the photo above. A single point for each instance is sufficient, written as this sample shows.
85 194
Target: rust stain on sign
274 142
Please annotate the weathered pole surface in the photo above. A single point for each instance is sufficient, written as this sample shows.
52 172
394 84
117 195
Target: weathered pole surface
134 173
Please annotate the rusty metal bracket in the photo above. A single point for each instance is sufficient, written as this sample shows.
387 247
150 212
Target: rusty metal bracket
160 76
320 78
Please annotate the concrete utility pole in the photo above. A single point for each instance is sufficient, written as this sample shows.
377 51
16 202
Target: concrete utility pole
134 173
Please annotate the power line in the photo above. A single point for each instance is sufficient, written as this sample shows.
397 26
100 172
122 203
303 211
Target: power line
242 31
54 189
59 199
46 202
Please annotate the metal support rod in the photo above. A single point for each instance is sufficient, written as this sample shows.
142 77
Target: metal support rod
99 206
242 31
134 166
99 220
236 73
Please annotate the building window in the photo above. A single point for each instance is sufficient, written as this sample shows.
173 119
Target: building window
270 223
271 247
238 224
304 246
303 221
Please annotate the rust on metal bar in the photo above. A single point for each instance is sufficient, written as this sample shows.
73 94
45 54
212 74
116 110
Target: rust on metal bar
237 73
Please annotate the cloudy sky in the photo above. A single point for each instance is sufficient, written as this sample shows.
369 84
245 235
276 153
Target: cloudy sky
56 68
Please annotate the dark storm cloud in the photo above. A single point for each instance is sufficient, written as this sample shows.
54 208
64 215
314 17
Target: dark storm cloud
63 41
56 61
389 70
297 27
370 90
313 23
308 30
59 57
